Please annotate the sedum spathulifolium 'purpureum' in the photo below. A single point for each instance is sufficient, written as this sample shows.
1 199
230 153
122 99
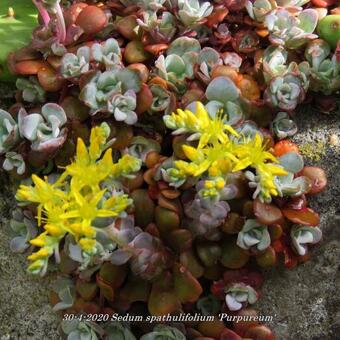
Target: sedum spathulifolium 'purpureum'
324 70
77 198
9 132
113 92
178 64
46 130
187 174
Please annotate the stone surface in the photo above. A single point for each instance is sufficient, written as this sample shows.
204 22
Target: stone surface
25 312
302 301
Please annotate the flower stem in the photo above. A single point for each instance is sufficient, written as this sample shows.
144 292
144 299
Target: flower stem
44 14
61 24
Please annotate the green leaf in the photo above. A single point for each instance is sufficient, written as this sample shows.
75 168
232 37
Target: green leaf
15 32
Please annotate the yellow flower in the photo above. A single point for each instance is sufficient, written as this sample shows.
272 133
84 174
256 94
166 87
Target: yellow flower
87 244
88 172
88 231
217 154
40 241
36 266
125 166
253 154
209 184
208 158
220 183
99 135
207 129
42 193
76 199
40 254
54 230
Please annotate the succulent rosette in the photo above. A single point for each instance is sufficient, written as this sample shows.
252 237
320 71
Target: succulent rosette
44 130
114 92
9 132
324 70
286 92
291 30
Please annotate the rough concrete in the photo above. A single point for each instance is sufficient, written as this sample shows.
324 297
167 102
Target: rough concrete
25 313
303 300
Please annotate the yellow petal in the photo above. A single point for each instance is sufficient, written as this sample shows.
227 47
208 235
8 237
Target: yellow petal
39 242
53 230
190 152
82 154
41 254
87 244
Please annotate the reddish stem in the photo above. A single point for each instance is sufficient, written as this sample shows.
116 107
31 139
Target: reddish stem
61 24
44 14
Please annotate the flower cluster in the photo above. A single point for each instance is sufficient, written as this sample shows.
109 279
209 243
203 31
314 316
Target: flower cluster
73 202
217 154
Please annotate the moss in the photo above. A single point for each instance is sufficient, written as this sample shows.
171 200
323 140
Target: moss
314 151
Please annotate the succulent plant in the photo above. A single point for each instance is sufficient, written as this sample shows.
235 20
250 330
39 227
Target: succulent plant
75 329
117 331
291 161
208 305
146 254
161 27
15 161
245 41
283 126
58 200
325 70
291 3
238 295
44 130
223 99
140 147
65 290
153 5
74 65
53 7
301 236
207 59
114 92
9 132
191 12
206 214
175 69
24 227
89 262
161 99
291 30
140 214
179 62
286 92
290 186
161 332
32 91
107 53
259 9
274 62
253 236
123 107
